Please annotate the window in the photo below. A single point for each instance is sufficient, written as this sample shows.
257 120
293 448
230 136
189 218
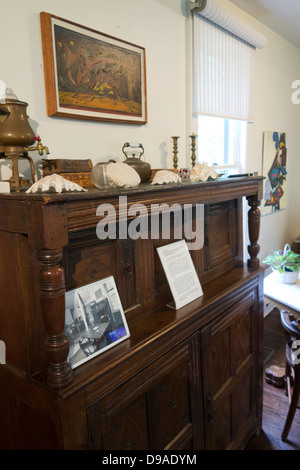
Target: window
222 142
223 53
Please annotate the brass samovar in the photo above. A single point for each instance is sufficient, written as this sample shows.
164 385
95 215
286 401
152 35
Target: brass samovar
16 134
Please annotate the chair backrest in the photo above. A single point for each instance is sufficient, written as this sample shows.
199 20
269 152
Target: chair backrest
292 333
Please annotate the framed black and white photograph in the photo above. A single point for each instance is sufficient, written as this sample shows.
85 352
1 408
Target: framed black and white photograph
95 320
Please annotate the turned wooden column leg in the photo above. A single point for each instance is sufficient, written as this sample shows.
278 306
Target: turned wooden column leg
253 227
52 294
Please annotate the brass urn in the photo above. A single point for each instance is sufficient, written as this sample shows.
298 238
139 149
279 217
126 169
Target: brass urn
15 134
142 168
15 130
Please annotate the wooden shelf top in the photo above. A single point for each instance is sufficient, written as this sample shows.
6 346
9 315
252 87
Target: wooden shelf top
228 187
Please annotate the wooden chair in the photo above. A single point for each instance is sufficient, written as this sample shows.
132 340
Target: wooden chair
292 368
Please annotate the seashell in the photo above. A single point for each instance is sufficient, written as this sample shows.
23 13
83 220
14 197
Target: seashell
166 176
202 172
122 175
54 183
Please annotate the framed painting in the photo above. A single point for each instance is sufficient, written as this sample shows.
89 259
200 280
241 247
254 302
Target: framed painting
94 320
275 172
91 75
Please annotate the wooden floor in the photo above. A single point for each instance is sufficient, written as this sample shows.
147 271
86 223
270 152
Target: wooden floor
275 401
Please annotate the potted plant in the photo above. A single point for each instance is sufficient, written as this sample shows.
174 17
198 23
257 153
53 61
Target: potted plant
286 264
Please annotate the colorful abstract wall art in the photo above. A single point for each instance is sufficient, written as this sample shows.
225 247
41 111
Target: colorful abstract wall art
275 172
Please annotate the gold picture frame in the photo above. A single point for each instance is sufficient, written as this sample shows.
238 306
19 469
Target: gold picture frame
90 75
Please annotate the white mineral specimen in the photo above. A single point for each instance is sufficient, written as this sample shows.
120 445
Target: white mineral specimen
202 172
166 176
54 183
122 175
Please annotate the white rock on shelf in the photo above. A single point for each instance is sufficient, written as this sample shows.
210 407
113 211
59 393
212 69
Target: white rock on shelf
122 175
166 176
54 183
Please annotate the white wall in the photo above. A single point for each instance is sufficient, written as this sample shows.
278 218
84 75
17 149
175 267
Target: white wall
157 25
161 26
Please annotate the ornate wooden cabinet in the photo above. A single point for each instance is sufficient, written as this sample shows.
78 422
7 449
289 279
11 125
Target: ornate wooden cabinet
185 379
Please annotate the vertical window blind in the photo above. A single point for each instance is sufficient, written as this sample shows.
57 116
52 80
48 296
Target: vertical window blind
223 64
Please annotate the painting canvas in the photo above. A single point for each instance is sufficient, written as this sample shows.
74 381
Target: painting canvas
275 172
90 75
94 321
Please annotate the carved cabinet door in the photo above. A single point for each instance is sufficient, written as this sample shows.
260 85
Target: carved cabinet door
230 375
160 408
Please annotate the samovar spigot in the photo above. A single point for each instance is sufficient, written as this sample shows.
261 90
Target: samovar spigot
40 147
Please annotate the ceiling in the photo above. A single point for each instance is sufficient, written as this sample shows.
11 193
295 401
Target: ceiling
283 17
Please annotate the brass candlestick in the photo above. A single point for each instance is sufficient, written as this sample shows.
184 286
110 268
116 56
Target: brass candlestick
193 137
175 151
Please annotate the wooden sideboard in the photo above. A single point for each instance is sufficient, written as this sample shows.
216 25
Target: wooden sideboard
185 379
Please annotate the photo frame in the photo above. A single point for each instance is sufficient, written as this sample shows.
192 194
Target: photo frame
94 320
90 75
